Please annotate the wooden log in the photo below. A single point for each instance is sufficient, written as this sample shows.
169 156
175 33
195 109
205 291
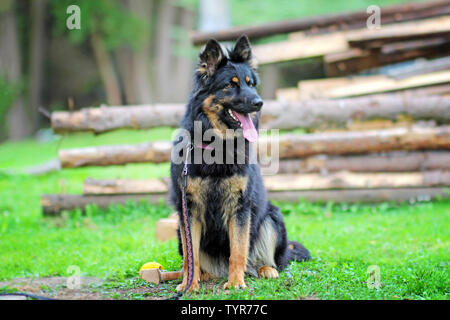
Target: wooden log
323 113
357 142
289 146
154 152
125 186
308 181
396 161
352 180
287 94
55 204
362 195
340 21
104 119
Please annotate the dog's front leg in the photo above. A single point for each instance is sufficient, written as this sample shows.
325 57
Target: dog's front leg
239 233
196 232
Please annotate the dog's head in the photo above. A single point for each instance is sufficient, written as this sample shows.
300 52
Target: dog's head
226 86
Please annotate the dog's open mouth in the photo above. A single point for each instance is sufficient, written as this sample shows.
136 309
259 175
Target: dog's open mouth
245 122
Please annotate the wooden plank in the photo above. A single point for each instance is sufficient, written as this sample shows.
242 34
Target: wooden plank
421 29
308 47
338 42
356 60
339 21
317 88
389 85
421 68
357 86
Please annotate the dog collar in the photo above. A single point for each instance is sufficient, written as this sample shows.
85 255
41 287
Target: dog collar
204 146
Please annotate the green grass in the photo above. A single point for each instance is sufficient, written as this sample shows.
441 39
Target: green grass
408 242
248 12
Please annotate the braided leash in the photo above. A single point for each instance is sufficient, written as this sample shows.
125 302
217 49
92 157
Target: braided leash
186 225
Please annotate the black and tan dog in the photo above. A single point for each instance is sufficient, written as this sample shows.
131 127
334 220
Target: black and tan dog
235 229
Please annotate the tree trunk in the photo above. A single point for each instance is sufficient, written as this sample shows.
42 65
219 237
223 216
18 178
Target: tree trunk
37 62
134 62
17 115
183 60
164 75
107 72
214 15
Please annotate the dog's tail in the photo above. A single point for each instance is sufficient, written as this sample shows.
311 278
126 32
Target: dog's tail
296 251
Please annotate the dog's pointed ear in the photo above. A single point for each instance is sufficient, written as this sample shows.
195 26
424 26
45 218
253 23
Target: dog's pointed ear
242 51
211 58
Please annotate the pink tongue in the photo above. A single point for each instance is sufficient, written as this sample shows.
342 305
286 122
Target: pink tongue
248 127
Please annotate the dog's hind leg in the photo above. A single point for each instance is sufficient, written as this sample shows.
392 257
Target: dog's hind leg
239 235
267 272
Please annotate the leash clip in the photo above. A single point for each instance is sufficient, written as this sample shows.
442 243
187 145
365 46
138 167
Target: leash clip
188 150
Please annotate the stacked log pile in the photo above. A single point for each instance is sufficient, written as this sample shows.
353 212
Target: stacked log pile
379 136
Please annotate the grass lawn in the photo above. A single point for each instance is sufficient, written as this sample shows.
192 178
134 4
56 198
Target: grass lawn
408 242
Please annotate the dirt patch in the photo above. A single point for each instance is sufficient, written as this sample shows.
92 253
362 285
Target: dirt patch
90 288
56 287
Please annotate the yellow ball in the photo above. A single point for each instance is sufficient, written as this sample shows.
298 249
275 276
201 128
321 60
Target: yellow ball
151 265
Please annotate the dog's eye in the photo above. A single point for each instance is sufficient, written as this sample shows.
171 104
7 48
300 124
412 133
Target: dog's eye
249 82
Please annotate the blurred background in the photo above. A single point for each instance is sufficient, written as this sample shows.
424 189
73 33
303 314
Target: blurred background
126 52
87 116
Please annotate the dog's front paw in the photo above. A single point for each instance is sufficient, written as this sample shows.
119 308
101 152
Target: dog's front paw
268 272
194 287
181 287
235 284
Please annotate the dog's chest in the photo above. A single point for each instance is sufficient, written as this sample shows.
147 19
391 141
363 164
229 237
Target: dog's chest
212 198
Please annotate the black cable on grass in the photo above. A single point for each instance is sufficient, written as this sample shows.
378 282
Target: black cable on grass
28 295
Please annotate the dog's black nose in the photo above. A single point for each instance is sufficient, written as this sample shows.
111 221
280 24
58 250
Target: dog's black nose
257 103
